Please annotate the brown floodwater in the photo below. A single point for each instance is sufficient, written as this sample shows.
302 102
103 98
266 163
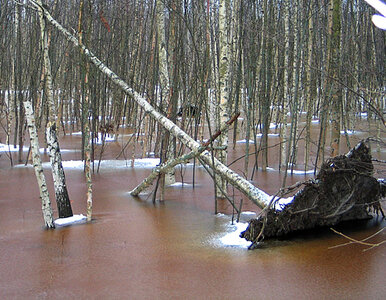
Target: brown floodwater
134 249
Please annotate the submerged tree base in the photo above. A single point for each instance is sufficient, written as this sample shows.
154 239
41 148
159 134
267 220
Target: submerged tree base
343 190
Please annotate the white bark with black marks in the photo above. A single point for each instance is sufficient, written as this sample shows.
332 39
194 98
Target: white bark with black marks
37 164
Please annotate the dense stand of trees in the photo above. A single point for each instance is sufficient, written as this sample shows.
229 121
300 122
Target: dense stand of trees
267 59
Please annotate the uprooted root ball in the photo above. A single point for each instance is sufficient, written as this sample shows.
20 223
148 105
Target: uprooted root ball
343 190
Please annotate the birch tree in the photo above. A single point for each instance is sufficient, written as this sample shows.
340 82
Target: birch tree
334 90
223 87
85 117
61 193
37 164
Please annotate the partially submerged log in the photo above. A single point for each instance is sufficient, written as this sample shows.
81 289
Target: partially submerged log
343 190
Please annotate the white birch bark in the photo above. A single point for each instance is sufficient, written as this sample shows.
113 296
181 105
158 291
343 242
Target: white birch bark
37 164
162 55
256 195
164 66
61 194
284 127
223 94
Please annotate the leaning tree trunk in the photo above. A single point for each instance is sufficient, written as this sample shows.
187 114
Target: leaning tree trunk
61 194
256 195
37 163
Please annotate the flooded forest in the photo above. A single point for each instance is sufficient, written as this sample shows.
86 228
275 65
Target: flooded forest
146 145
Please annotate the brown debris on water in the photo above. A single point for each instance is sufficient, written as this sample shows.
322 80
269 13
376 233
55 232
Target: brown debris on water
343 190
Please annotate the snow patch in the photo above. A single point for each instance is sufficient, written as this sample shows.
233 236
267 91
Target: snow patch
180 184
75 219
279 205
4 148
232 237
244 141
349 132
300 172
143 163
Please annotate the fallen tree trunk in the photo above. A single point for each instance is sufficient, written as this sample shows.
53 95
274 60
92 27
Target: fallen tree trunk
343 190
182 159
256 195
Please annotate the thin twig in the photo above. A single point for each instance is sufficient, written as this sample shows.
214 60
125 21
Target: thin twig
361 242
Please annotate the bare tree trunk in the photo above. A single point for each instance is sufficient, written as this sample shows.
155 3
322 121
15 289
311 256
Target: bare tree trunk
284 132
253 193
333 72
309 86
37 163
61 194
224 89
85 120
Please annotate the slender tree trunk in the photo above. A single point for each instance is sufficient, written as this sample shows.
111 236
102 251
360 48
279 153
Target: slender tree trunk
37 163
224 88
309 86
86 114
284 132
333 74
61 194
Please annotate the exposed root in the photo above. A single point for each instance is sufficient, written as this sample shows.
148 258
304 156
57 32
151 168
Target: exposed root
343 190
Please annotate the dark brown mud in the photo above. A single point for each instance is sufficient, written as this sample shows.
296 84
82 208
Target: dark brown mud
136 250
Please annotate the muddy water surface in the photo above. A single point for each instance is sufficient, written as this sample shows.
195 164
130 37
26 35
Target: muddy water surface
171 250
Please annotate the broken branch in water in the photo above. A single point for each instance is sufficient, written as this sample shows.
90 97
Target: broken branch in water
361 242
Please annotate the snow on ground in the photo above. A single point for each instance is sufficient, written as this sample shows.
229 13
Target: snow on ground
180 184
349 132
232 236
75 219
259 135
244 141
108 137
300 172
229 235
4 148
143 163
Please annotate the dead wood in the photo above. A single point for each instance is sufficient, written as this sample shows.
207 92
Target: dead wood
343 190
